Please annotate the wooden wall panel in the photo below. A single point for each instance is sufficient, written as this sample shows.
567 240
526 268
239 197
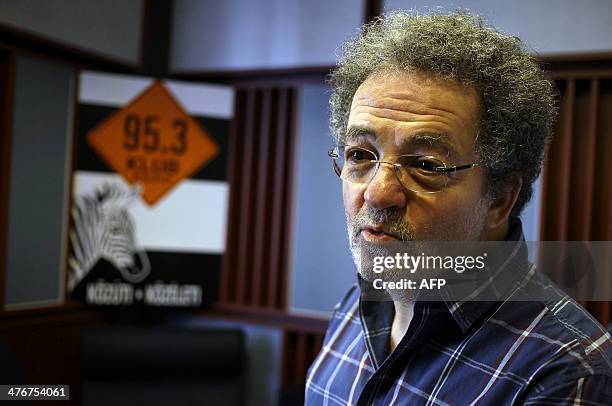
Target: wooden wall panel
46 344
300 348
261 174
577 182
372 10
602 206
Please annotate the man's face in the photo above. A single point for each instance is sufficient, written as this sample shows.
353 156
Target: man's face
398 113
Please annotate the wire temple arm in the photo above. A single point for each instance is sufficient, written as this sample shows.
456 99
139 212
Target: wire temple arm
455 168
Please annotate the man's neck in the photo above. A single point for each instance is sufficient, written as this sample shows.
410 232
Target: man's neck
404 311
404 307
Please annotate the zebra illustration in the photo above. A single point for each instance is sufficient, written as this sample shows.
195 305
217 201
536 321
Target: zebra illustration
103 228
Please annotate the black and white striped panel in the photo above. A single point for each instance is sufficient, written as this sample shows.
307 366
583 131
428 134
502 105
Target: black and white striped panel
184 233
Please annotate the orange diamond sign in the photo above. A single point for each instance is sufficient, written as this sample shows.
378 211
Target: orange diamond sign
154 142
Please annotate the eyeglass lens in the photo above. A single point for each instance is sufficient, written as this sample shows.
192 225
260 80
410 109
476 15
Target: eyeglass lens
416 173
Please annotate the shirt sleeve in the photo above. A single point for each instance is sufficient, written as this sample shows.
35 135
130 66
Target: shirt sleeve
593 390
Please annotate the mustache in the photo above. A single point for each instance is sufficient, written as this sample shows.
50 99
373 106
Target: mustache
391 218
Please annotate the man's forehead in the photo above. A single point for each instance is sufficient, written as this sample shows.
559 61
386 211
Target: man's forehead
419 107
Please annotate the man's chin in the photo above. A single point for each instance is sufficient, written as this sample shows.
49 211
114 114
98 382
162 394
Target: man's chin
363 257
368 276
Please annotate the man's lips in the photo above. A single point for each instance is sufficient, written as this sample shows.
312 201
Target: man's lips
377 234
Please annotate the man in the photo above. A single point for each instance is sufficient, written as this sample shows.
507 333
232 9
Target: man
441 125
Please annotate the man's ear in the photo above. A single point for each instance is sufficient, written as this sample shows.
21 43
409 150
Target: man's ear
501 205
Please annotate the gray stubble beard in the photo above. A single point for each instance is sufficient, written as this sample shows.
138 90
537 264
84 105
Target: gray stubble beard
465 228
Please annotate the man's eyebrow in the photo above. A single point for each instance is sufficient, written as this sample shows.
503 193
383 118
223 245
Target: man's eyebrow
431 139
434 140
360 132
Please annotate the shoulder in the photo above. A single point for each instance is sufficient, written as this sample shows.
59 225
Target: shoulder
587 343
561 337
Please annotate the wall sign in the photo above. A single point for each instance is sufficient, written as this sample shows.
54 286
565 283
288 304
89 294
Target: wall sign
154 142
150 192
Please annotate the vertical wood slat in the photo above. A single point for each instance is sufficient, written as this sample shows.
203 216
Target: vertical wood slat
256 262
262 209
277 205
246 200
287 370
314 345
580 194
228 280
300 356
318 344
565 159
300 349
580 178
268 287
590 158
287 195
372 9
555 205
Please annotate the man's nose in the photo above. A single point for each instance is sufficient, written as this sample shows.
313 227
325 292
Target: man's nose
385 189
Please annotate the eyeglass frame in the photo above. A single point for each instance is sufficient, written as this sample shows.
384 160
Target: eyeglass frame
334 154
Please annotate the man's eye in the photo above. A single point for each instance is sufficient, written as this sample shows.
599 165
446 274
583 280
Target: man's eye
429 165
359 155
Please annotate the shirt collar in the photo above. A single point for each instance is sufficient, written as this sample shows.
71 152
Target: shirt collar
503 276
497 283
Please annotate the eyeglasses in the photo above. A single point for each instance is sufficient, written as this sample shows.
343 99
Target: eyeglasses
418 173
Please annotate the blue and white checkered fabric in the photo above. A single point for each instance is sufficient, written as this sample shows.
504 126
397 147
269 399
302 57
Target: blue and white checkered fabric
507 352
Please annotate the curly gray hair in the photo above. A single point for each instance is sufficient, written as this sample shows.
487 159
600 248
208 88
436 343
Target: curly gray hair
518 105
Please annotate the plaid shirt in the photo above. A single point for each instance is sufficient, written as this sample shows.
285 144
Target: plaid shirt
510 351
